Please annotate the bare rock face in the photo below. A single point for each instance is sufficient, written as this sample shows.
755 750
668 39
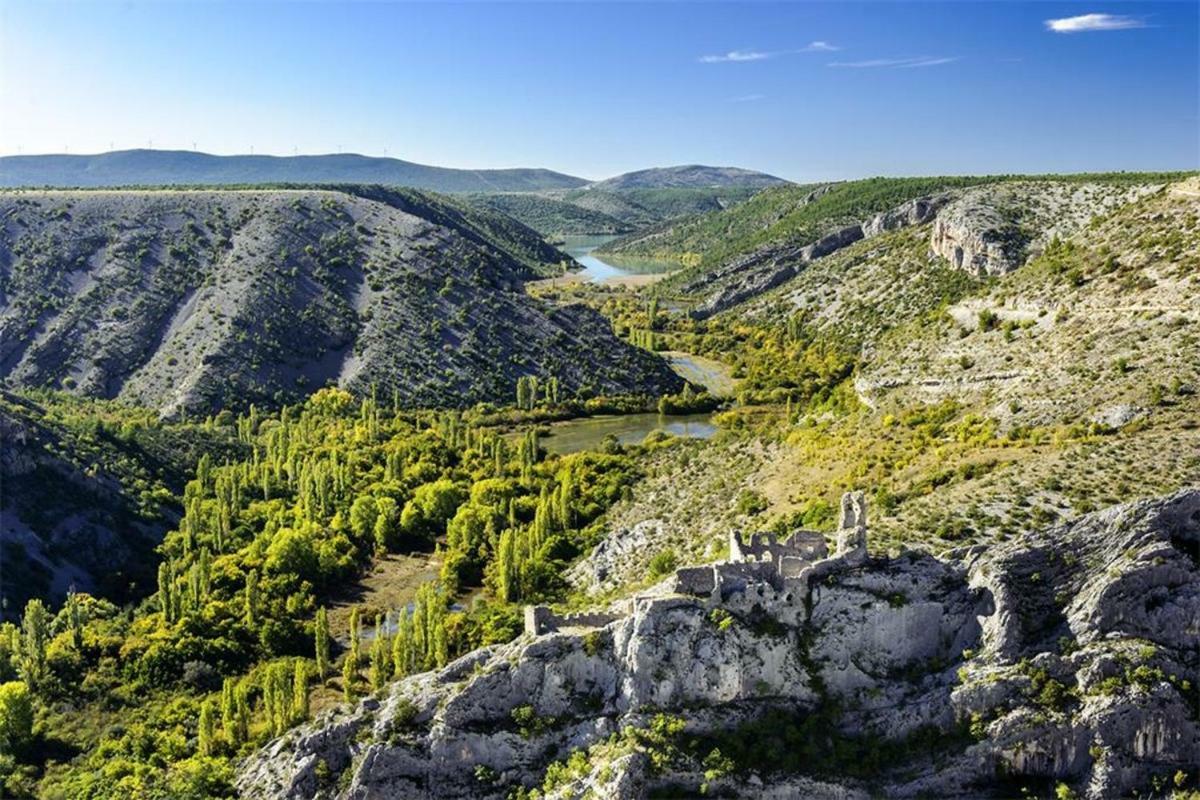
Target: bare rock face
1068 656
977 238
994 229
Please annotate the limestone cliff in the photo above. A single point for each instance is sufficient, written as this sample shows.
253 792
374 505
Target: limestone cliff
1068 655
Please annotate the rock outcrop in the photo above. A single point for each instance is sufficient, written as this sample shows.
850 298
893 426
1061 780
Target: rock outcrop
978 238
992 230
1066 656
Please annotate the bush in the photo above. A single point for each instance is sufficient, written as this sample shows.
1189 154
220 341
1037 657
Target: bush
663 563
751 503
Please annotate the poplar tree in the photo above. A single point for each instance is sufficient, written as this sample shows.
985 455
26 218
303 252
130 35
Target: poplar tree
322 637
402 645
379 653
75 618
207 729
355 637
166 580
349 668
300 690
35 635
242 700
229 720
251 598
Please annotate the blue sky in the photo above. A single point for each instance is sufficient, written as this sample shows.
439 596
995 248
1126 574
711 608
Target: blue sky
805 90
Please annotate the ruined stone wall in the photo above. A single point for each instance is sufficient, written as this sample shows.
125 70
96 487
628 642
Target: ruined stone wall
540 619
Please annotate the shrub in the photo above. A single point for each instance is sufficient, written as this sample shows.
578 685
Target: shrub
663 563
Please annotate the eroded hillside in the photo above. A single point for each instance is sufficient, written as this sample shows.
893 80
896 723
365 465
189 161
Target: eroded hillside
187 301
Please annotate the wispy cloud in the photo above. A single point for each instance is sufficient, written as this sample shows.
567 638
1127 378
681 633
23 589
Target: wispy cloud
736 55
1095 22
763 55
747 98
895 63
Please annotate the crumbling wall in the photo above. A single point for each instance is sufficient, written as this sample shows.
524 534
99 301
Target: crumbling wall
540 619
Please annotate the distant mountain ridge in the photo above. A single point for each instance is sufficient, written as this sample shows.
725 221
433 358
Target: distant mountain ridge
185 167
145 167
689 176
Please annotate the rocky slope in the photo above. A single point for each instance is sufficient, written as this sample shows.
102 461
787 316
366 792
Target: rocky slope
1066 656
771 265
1093 320
189 300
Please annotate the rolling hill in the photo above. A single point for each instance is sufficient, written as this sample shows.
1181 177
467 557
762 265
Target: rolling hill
185 167
689 176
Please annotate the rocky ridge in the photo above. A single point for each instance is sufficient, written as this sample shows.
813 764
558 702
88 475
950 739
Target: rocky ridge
773 265
1065 656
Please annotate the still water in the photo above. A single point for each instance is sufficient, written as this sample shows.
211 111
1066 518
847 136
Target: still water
588 433
598 270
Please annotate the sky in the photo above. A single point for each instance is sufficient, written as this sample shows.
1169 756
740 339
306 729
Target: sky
803 90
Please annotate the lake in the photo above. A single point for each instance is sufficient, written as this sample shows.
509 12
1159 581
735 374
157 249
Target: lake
600 269
588 433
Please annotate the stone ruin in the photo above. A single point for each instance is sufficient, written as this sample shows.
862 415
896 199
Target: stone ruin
761 571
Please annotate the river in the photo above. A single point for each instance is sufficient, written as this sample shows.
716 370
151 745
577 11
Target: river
598 270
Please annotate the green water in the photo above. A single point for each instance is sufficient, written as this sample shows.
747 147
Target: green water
589 433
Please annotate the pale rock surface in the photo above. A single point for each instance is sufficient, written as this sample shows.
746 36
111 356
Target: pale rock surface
1108 606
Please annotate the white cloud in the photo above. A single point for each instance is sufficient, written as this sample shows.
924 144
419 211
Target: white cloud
1094 22
747 98
763 55
736 55
895 63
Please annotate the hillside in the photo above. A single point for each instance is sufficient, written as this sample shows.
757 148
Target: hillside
185 167
599 209
780 220
691 176
86 493
965 400
187 301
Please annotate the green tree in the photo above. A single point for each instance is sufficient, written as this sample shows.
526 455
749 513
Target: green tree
35 635
252 598
229 720
355 636
322 638
349 676
387 524
16 717
363 514
206 733
300 690
379 657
